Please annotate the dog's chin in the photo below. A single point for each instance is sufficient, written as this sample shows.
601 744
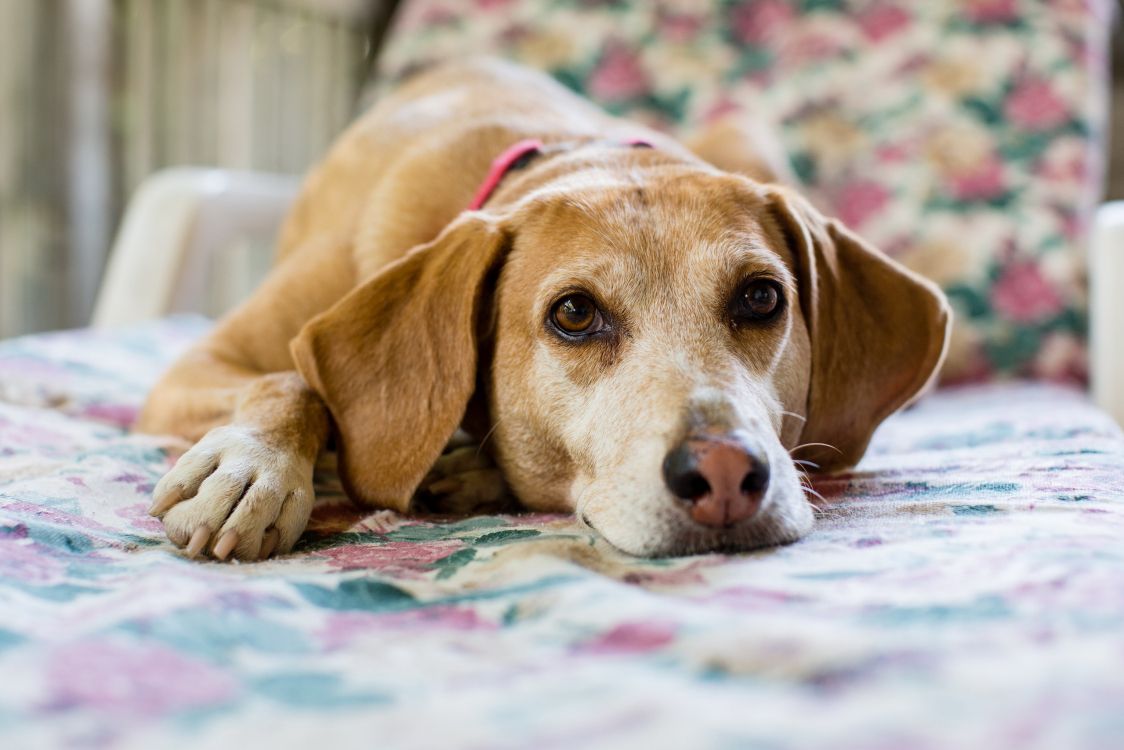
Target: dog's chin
672 533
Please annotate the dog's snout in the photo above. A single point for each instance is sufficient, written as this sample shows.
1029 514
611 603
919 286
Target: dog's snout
723 477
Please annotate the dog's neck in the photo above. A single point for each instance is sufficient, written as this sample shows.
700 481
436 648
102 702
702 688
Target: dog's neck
516 156
530 155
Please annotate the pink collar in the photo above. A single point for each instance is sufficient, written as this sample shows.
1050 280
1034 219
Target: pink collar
516 156
501 165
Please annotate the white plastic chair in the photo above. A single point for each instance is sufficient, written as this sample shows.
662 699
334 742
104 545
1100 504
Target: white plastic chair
1106 310
192 240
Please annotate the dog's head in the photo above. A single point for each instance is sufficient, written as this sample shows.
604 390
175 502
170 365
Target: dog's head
647 353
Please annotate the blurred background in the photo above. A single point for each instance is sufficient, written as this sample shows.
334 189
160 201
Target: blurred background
95 95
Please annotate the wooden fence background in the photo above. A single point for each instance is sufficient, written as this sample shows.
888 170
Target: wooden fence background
97 94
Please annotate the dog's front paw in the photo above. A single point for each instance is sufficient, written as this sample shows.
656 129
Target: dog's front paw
236 493
465 480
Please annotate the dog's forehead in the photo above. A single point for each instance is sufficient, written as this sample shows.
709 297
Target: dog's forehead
630 209
680 230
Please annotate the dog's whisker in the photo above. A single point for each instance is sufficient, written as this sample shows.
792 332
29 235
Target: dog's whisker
812 445
804 462
812 492
487 435
794 415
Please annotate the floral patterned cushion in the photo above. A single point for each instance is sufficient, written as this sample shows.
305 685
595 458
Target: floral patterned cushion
960 137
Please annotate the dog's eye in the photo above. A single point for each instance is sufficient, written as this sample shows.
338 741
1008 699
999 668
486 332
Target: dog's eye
576 315
759 300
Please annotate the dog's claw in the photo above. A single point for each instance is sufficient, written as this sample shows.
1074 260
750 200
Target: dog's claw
198 540
225 544
268 543
164 503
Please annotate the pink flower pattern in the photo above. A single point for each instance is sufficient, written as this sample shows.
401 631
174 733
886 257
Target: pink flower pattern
991 11
1034 105
389 556
631 638
981 184
858 201
883 21
127 682
760 21
618 75
1023 295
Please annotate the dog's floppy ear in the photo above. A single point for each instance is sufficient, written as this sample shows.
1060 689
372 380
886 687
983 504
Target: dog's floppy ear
395 360
878 331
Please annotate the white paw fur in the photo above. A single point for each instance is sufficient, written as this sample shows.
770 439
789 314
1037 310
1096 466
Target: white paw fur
235 495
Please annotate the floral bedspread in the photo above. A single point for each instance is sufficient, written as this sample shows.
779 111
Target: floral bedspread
964 588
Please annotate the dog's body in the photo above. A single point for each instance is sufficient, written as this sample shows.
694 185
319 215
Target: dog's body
637 336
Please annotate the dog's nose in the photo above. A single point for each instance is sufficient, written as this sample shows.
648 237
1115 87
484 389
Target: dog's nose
723 477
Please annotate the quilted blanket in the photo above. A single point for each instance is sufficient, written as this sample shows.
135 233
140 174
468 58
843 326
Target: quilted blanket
964 588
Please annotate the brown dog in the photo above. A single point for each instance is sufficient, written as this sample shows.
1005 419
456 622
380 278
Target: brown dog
635 335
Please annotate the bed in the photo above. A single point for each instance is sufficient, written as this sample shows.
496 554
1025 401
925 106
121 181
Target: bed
964 588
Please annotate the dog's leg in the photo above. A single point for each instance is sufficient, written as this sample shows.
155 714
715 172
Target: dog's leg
245 489
465 480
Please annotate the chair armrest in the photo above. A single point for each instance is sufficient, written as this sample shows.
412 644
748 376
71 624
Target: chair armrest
1106 310
177 223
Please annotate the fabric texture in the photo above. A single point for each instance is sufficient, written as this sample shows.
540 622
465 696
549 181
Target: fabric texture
964 587
963 138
